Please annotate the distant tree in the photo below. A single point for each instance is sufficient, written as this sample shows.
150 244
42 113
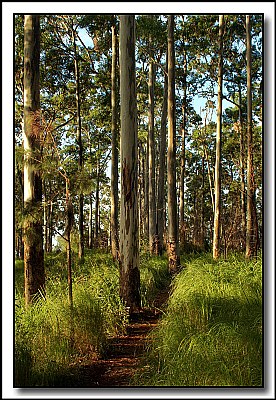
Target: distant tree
129 225
33 211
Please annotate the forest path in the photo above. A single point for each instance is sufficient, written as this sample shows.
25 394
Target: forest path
124 352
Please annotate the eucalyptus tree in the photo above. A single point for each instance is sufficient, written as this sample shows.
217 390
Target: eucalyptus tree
151 149
162 168
33 235
217 216
172 245
129 229
250 177
114 160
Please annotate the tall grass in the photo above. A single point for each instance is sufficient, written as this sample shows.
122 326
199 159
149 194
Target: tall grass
211 334
154 276
49 339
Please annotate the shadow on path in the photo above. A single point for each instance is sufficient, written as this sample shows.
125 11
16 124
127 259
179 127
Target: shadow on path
124 352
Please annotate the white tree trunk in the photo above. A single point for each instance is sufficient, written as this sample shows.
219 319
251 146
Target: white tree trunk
217 216
173 248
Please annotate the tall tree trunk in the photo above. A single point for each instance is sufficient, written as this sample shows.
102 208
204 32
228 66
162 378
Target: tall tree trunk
202 224
90 227
97 201
50 226
183 150
129 224
20 173
173 248
146 202
79 135
151 156
243 201
217 216
67 235
250 177
33 231
162 166
114 158
206 156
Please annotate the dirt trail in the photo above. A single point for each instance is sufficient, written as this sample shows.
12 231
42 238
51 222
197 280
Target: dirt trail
124 352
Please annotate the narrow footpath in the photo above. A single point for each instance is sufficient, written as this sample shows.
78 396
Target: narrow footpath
124 352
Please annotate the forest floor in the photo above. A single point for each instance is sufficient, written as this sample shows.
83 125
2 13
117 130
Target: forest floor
124 352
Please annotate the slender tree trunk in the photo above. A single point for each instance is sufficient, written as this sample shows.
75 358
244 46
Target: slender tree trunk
217 216
33 231
202 224
67 235
90 227
79 135
243 201
173 248
97 201
250 177
183 150
50 227
210 181
114 157
129 224
151 156
162 167
146 203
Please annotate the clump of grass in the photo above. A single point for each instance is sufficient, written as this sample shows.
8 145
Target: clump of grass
211 334
154 276
49 337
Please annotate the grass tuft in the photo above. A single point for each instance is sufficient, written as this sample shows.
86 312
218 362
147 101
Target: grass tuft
211 334
49 339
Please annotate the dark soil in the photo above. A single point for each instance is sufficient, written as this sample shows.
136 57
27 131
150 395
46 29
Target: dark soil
123 354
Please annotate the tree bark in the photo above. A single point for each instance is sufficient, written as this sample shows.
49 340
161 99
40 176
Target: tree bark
243 201
202 222
146 186
97 200
129 225
183 150
250 178
67 235
173 248
114 157
162 167
33 230
90 227
151 156
217 216
79 135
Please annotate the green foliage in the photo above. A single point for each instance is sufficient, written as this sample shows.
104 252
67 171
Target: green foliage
44 349
211 334
154 276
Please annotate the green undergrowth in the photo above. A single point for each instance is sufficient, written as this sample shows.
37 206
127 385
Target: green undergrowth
211 333
49 338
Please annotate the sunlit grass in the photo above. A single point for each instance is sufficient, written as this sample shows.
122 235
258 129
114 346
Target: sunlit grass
49 338
211 334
